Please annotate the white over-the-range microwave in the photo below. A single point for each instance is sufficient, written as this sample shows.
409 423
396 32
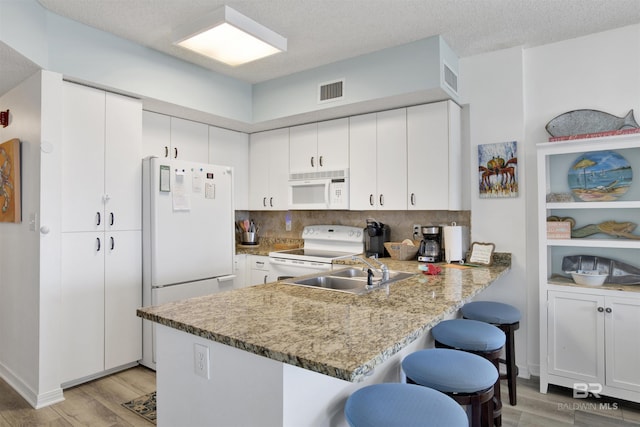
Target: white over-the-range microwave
319 190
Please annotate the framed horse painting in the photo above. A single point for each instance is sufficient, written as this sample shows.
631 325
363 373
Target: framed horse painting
10 181
498 170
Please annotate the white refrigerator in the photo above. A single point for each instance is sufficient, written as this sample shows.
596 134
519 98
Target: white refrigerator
187 234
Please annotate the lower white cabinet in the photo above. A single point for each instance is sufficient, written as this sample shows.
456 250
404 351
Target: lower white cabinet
259 270
592 339
101 290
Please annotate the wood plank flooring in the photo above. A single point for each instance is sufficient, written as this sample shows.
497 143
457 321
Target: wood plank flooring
98 403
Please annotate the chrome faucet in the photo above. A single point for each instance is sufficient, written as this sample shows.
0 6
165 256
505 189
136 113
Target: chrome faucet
383 268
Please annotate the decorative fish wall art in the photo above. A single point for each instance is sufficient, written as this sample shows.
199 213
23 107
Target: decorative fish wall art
580 122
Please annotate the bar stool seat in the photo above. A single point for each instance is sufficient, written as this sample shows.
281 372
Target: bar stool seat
507 318
467 378
476 337
402 405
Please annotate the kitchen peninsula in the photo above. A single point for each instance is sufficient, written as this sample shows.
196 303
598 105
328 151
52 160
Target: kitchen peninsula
279 354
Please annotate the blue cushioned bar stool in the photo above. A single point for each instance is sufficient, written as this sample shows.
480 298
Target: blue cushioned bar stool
402 405
475 337
507 318
467 378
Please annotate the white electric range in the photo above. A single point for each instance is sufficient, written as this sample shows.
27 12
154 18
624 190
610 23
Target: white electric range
322 245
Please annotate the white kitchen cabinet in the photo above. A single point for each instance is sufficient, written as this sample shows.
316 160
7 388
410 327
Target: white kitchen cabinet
378 160
100 161
231 148
101 277
101 231
434 157
319 147
174 138
240 270
593 338
588 334
269 170
259 270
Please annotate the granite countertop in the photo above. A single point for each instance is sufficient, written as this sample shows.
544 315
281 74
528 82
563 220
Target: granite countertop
333 333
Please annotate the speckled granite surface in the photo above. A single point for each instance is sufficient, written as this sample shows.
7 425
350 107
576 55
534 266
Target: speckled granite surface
334 333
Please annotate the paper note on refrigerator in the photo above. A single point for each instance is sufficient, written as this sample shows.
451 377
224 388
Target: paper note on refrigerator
180 197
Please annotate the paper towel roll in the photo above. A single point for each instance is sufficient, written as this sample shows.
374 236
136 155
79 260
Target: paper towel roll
456 243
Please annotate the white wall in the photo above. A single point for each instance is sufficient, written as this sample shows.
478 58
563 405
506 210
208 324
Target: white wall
492 85
512 95
21 308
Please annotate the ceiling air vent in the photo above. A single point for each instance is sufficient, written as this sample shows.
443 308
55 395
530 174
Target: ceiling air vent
331 91
450 78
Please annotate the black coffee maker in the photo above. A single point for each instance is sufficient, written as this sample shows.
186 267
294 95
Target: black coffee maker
431 245
375 235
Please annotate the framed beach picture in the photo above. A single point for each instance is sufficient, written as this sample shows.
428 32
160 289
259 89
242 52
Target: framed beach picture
497 170
10 181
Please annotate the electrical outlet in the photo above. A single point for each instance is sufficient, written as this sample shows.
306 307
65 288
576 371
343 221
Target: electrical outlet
201 360
417 231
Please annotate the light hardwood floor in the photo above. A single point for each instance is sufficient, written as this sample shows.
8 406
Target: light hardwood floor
98 403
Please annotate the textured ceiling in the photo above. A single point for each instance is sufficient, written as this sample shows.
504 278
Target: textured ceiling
325 31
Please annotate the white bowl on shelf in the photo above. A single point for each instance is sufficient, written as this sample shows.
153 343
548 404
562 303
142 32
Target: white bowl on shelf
589 277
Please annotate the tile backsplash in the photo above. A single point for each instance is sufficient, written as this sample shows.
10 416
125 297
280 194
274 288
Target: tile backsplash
273 223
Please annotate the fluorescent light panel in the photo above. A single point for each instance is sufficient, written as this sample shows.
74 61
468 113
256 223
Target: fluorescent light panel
230 37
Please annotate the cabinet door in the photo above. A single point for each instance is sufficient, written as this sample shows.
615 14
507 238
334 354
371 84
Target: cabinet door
189 140
333 144
303 148
122 297
82 158
123 166
428 157
623 346
279 170
231 148
391 162
363 193
156 135
259 147
82 305
576 336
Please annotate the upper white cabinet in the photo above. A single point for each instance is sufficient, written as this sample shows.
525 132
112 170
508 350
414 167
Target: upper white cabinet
174 138
588 334
101 161
322 146
434 157
269 166
231 148
378 159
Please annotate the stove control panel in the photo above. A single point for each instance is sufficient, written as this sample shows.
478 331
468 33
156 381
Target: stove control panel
336 233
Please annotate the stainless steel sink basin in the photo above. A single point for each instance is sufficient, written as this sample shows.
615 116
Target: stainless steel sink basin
352 280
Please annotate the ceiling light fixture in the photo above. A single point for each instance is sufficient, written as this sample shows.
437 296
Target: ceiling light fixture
230 37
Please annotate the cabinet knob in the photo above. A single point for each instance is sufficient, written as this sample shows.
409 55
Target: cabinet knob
608 310
112 218
175 152
371 199
166 151
312 162
270 201
264 202
413 199
98 220
98 244
113 243
600 309
320 161
382 200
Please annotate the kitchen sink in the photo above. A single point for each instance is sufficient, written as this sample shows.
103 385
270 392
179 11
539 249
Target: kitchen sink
351 280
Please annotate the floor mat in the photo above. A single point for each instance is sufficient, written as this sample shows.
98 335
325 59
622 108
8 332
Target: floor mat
145 406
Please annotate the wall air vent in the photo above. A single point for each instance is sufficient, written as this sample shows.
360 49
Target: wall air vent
331 91
450 78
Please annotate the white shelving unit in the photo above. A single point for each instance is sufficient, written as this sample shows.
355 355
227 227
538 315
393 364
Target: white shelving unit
588 335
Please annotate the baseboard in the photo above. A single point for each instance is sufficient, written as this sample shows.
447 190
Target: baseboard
34 399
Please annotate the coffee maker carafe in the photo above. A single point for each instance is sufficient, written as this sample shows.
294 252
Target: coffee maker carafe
376 233
431 245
